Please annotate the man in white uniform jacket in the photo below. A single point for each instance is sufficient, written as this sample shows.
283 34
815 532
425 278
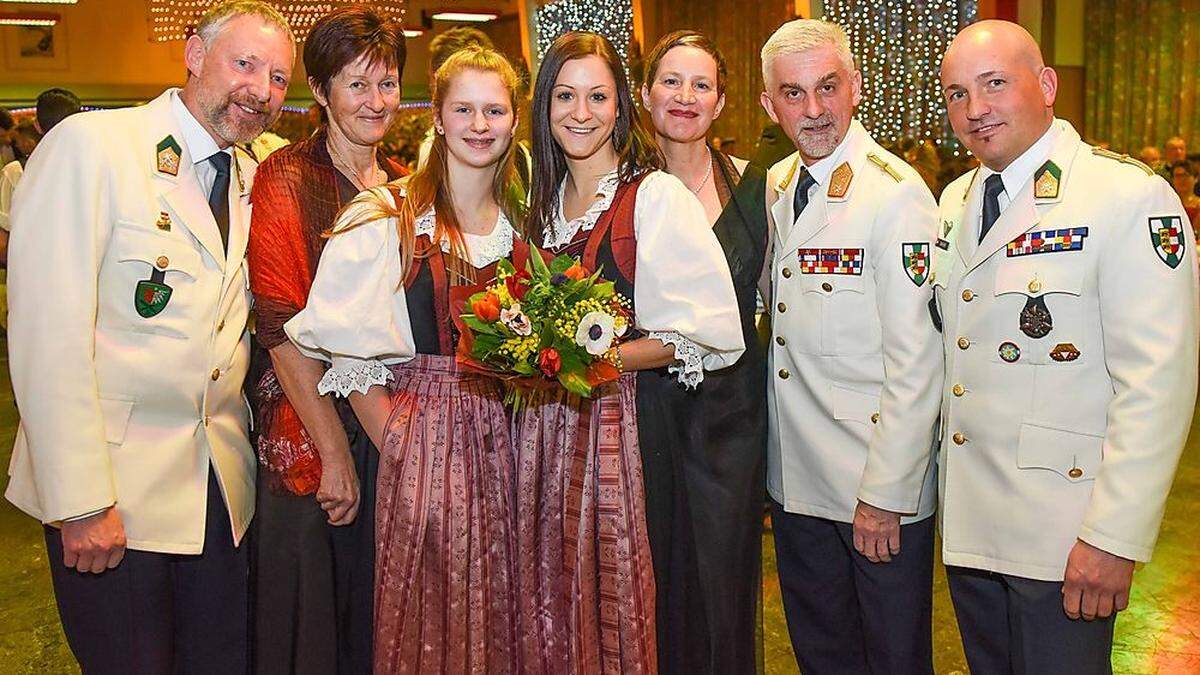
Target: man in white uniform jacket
128 351
855 375
1065 276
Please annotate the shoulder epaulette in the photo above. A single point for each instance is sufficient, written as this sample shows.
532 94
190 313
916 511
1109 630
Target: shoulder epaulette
1124 159
879 162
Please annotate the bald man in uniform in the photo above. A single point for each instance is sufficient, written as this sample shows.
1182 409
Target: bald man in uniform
1065 283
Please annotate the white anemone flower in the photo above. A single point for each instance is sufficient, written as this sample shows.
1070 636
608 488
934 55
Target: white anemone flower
516 320
596 332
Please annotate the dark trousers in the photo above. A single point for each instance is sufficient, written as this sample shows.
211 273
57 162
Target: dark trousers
1016 625
846 614
157 612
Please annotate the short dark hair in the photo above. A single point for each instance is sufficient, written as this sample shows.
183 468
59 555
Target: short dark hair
345 35
686 38
456 39
55 105
6 120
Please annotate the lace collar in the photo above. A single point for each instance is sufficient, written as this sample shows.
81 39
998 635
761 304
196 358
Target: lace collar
482 249
565 231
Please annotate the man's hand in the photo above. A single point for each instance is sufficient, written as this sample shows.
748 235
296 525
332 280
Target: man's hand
876 532
1096 583
338 491
95 543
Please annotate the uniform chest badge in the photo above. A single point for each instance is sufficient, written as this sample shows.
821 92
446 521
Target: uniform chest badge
1166 234
1047 241
164 221
831 261
1009 352
151 296
1064 352
1036 321
168 153
915 257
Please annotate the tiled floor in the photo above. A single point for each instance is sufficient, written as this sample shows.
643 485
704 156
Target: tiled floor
1160 633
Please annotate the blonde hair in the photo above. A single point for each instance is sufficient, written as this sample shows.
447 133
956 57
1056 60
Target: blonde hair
215 19
802 35
430 185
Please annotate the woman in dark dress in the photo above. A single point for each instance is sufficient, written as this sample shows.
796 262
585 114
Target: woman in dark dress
380 311
724 462
602 504
314 546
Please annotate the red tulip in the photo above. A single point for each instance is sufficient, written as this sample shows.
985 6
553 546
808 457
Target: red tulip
487 308
516 288
549 361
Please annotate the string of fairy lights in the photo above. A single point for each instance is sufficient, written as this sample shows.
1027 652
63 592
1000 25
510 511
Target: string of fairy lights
611 18
176 19
899 46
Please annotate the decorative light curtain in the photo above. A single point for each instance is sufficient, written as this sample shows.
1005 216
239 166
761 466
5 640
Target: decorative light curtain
611 18
899 47
1142 63
175 19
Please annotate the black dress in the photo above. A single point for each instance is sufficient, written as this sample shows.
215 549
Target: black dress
703 455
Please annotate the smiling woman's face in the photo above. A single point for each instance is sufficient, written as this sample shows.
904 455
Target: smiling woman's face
683 99
583 107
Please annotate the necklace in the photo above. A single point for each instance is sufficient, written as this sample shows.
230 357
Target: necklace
707 175
353 175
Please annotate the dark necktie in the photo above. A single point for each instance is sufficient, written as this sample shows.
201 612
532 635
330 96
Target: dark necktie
800 199
992 187
218 198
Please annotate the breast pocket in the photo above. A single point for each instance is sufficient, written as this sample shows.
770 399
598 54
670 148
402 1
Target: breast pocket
851 324
158 285
1040 311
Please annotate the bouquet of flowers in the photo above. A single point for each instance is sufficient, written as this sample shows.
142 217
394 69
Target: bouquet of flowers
544 325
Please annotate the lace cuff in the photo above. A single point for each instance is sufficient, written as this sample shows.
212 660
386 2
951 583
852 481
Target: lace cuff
689 365
347 375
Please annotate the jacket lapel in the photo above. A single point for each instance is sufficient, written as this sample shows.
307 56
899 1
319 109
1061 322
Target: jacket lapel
239 212
180 193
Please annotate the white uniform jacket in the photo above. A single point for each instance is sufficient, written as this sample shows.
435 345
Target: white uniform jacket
855 364
1070 337
118 407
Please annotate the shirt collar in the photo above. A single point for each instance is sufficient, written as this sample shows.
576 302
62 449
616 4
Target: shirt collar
1021 170
823 168
200 145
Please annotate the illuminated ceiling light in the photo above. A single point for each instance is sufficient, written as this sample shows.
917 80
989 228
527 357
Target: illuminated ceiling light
28 19
471 16
175 19
42 2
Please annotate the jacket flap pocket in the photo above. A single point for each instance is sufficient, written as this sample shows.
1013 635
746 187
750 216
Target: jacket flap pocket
116 415
852 405
828 284
1034 277
1074 455
160 252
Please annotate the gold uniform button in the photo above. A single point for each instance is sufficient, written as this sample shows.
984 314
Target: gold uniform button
968 295
784 374
787 273
216 374
963 343
780 341
875 418
958 438
827 287
162 262
1075 472
781 307
1035 286
959 390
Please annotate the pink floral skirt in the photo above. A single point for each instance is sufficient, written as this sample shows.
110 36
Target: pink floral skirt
444 592
585 582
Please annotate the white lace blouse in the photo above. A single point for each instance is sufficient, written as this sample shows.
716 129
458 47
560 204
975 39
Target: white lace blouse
356 317
684 293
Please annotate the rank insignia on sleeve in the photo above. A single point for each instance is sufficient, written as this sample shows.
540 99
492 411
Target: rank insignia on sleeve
168 153
1047 241
831 261
1166 234
915 257
839 181
1045 181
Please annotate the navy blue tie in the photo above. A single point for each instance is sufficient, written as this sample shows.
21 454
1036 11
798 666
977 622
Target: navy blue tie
992 187
218 197
800 199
